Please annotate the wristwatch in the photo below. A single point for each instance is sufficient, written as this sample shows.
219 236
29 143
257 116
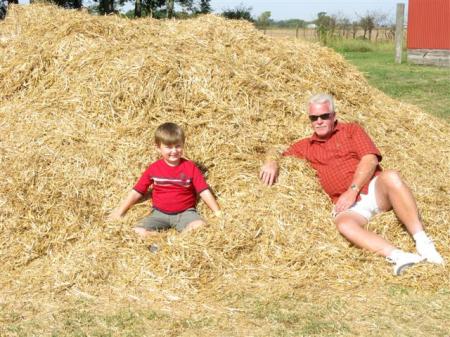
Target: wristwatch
354 187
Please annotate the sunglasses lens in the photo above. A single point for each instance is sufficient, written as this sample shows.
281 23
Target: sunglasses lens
324 117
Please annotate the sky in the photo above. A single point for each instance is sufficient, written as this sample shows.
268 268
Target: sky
307 10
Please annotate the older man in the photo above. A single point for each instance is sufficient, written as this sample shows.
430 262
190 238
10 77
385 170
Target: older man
347 165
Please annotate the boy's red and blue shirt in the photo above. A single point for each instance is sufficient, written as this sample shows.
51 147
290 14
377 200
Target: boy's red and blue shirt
175 188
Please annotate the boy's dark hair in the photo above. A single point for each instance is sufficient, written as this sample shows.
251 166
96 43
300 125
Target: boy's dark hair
169 134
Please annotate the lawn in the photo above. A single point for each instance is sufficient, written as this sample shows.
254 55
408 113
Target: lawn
425 86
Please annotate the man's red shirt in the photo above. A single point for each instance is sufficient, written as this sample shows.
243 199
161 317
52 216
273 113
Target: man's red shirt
335 159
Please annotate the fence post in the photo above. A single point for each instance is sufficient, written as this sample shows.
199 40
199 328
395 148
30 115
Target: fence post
399 32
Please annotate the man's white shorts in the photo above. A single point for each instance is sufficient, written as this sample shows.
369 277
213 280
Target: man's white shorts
367 206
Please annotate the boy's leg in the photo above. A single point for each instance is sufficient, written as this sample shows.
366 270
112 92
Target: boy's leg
150 225
194 225
143 233
189 220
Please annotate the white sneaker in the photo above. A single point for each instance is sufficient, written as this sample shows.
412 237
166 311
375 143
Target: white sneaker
403 260
428 251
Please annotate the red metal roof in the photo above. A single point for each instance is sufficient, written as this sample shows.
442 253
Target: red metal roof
429 24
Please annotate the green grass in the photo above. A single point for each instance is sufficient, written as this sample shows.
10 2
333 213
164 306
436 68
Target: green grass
394 310
425 86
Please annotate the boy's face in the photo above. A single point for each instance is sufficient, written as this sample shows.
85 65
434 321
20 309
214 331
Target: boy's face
171 153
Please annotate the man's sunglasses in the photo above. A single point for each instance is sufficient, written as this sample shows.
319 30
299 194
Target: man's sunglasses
323 117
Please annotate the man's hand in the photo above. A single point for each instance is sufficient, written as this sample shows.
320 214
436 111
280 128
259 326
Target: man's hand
269 173
345 201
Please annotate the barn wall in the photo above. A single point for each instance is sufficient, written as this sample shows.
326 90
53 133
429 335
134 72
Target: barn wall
429 24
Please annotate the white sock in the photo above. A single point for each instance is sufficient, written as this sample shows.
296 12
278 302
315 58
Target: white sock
421 237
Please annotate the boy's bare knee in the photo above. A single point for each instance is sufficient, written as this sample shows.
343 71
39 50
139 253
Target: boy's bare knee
142 232
194 225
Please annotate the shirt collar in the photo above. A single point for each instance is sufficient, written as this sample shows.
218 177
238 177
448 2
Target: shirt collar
315 138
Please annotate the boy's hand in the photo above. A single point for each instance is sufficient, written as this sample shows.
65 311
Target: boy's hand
114 215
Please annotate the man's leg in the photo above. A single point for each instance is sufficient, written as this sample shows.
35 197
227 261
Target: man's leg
393 193
350 225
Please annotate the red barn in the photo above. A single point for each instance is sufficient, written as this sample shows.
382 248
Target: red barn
429 32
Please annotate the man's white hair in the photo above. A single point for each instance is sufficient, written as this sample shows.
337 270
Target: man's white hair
321 99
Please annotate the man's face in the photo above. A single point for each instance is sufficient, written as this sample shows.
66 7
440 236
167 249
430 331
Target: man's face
322 126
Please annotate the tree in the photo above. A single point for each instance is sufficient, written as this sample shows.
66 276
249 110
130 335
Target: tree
205 7
355 27
325 26
69 3
3 10
153 8
170 4
291 23
239 13
138 8
263 20
342 24
367 23
381 20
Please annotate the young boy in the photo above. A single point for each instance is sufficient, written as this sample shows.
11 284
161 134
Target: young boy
175 182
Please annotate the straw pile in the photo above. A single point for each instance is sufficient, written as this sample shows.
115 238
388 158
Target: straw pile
80 98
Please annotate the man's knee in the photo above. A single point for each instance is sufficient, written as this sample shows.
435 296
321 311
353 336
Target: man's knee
349 222
391 178
344 226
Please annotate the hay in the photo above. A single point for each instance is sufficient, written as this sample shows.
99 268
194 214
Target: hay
80 98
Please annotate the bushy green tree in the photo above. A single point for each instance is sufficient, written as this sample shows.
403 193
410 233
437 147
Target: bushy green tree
205 7
291 23
239 13
325 26
69 3
166 8
263 20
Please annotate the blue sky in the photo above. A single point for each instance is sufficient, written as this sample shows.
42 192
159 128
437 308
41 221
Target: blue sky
307 10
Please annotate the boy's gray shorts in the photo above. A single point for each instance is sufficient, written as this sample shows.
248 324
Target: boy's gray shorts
157 220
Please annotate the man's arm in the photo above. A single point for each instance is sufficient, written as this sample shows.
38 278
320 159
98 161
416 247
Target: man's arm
364 172
270 169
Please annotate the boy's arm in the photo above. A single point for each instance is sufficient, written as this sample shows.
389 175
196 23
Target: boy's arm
131 199
209 199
